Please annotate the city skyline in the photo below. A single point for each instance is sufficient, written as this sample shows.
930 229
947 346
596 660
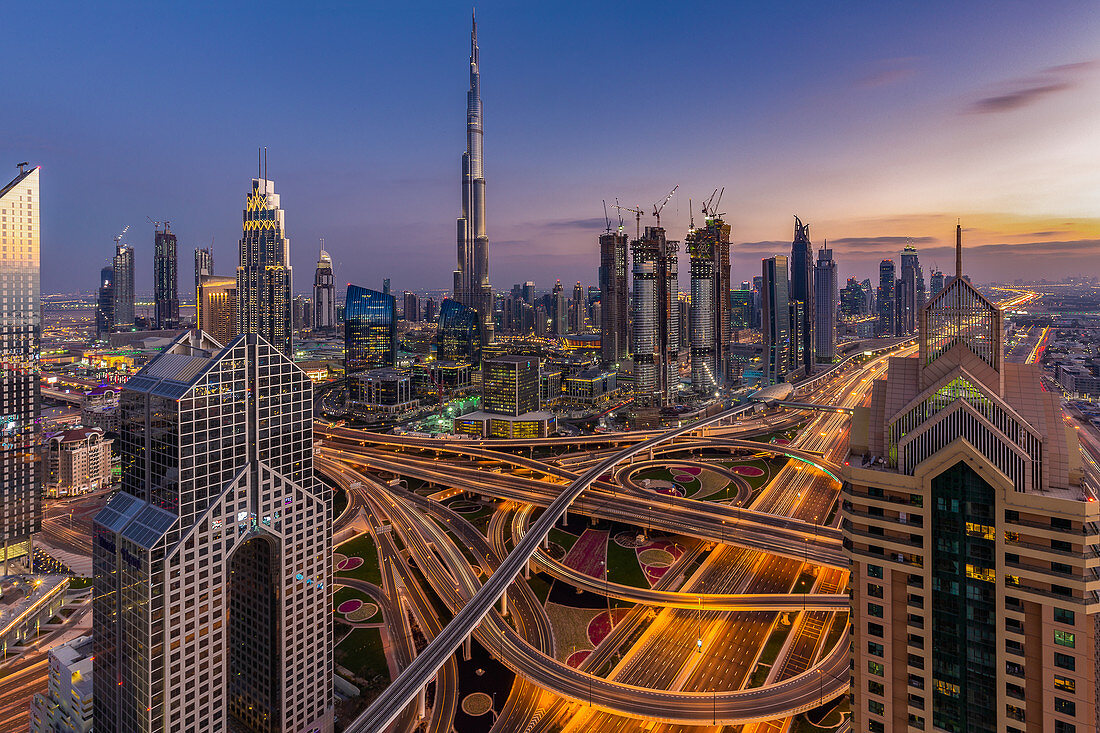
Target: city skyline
926 101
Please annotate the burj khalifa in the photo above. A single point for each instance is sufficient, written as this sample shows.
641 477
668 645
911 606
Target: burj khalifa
471 279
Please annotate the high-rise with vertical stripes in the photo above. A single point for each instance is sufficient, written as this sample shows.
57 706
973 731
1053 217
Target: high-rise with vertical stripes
264 276
20 331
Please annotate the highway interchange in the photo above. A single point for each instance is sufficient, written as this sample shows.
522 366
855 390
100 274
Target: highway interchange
684 653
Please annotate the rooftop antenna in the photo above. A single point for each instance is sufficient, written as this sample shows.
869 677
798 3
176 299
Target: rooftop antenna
691 216
22 167
265 170
958 249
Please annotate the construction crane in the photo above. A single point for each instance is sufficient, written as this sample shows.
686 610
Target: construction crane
710 206
658 207
637 218
606 219
121 234
157 224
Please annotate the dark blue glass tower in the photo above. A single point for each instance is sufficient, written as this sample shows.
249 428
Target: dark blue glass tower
459 332
370 329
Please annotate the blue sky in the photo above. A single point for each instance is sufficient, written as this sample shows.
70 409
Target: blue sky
875 122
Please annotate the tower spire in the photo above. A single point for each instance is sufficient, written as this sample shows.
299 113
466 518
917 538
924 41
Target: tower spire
958 250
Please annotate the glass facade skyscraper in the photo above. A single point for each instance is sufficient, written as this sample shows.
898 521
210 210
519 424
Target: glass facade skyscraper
123 288
655 345
264 277
370 329
459 332
20 331
826 298
775 301
324 293
802 291
104 304
709 318
166 299
213 563
204 264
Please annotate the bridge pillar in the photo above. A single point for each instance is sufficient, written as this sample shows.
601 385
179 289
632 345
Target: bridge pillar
467 647
565 517
527 569
546 542
422 703
504 603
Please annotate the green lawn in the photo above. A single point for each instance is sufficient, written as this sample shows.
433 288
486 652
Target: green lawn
77 583
771 651
540 584
804 583
363 655
344 593
362 546
563 538
623 567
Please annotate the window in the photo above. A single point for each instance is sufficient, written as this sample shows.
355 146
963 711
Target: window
874 571
875 591
1064 616
1060 727
874 629
1066 684
1064 638
1064 661
876 727
875 648
1065 707
876 688
876 707
874 609
876 668
1061 567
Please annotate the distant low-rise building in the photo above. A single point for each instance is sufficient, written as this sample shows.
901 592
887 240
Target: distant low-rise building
67 703
590 387
383 391
77 461
100 409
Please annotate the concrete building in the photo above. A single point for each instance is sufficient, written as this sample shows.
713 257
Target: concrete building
76 461
826 299
204 264
411 308
590 387
885 297
970 524
655 321
122 290
67 703
216 312
386 391
213 564
510 384
100 409
20 328
264 276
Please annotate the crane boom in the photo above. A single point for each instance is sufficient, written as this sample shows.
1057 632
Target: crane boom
637 217
658 207
122 234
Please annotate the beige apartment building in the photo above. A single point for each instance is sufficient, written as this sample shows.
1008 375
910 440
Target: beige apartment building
77 461
972 526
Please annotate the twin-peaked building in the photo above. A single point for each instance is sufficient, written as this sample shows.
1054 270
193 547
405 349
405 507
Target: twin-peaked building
974 534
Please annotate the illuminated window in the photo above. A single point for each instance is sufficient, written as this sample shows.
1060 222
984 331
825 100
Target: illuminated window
1065 638
876 668
979 573
948 689
1065 683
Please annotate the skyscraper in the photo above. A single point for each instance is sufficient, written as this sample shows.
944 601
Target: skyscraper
886 288
909 293
20 330
324 293
457 334
560 306
655 344
577 309
825 301
936 284
709 318
775 320
471 286
264 277
123 287
411 306
204 264
213 564
166 297
104 304
852 300
370 329
972 540
802 289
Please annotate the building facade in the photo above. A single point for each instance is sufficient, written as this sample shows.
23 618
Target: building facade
216 307
20 333
212 565
122 306
510 384
166 297
614 316
970 525
67 703
204 264
324 293
76 461
708 329
887 283
104 303
802 291
370 329
264 275
775 320
826 299
655 340
471 279
458 332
